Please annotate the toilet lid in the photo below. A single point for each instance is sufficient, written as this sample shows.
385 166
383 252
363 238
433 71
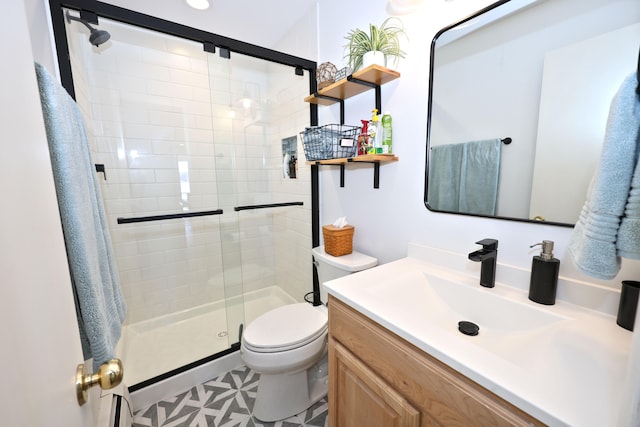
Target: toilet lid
285 328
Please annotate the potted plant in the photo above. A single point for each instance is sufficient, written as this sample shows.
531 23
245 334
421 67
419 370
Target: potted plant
384 41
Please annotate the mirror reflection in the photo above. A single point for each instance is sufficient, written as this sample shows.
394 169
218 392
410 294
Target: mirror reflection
540 74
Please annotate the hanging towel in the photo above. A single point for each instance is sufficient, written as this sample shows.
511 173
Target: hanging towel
592 244
628 240
100 305
464 177
445 162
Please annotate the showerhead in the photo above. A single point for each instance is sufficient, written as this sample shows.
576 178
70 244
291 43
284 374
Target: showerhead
97 37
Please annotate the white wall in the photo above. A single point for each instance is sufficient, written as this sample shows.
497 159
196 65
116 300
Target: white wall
387 218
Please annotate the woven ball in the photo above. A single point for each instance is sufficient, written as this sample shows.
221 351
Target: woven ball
325 74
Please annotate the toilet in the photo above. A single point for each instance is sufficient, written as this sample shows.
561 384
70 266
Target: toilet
287 346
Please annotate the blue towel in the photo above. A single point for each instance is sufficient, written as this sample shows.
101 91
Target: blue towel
628 240
592 244
464 177
100 305
445 162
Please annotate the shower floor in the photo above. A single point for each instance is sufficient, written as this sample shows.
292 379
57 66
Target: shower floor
152 347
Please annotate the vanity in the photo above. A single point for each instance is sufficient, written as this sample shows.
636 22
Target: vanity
379 379
397 358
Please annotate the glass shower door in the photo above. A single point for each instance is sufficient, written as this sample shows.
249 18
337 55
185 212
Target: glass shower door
209 207
258 110
145 98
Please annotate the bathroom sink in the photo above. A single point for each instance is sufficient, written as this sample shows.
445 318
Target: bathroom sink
452 301
521 347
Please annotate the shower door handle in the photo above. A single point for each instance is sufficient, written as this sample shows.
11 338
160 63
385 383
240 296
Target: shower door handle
109 375
271 205
168 216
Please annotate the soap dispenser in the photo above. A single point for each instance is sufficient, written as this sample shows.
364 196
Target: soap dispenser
544 275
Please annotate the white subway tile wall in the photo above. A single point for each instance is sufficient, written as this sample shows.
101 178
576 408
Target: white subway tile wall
176 131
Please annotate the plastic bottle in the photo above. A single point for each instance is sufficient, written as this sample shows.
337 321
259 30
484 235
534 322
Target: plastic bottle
387 133
544 275
363 138
374 133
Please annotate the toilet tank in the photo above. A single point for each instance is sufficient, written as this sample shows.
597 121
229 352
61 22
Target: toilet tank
331 267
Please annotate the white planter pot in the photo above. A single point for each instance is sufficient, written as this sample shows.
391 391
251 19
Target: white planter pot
373 57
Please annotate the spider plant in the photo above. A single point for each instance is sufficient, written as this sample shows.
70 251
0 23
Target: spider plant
385 38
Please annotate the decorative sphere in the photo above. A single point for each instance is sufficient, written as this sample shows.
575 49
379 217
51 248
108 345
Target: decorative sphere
325 74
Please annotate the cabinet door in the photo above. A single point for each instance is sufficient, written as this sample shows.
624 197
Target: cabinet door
359 397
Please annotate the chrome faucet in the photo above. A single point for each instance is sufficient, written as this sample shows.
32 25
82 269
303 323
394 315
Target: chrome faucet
487 255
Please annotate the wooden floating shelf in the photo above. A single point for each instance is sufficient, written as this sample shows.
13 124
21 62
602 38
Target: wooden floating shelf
369 158
375 159
347 87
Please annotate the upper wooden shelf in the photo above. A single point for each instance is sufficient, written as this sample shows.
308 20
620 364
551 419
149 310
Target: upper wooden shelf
347 87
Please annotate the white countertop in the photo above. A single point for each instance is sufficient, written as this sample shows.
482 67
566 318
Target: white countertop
568 370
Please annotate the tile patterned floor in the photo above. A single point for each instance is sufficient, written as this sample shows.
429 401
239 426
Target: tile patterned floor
224 401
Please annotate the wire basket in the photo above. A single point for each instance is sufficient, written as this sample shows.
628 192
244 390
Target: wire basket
330 141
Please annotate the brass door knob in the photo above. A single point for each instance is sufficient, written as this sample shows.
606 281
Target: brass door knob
109 375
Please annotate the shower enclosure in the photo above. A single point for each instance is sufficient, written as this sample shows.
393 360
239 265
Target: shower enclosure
209 207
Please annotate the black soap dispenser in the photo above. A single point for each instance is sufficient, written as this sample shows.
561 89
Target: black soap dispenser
544 275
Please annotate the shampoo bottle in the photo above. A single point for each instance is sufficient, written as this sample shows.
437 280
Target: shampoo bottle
544 275
374 133
387 133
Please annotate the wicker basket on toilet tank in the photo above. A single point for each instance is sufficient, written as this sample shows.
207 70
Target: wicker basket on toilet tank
338 241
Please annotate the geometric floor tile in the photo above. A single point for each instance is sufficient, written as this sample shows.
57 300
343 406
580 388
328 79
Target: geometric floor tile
224 401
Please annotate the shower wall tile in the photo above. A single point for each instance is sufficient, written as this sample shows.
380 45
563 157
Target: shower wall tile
129 67
165 58
142 176
195 135
197 76
201 108
200 66
174 90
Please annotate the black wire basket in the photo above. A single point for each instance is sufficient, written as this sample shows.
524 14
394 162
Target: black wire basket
330 141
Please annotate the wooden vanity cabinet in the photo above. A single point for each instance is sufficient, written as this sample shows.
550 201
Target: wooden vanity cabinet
377 379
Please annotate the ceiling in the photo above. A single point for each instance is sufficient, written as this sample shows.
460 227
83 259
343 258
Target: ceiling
257 22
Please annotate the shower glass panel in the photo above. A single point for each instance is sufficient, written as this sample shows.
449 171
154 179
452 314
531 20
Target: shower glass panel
256 105
181 131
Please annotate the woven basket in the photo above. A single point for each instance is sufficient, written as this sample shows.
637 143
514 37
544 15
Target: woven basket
338 241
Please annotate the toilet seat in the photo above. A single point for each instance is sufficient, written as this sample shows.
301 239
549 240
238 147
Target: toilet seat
285 328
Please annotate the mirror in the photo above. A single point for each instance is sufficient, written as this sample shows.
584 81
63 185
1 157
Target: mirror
541 73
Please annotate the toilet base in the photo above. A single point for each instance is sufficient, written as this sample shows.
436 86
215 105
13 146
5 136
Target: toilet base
282 396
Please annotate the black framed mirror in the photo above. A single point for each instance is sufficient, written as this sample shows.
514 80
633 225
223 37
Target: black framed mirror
539 74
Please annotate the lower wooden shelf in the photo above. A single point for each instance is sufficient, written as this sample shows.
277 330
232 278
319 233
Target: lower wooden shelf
368 158
374 159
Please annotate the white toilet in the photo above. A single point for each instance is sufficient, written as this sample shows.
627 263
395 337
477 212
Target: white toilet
287 346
